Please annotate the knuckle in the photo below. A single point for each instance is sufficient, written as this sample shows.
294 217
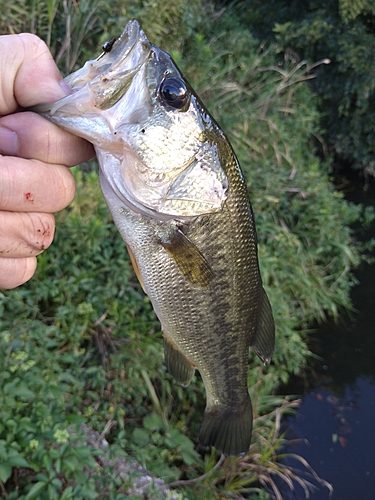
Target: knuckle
35 44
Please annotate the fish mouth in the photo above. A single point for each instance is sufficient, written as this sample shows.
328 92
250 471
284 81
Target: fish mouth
102 82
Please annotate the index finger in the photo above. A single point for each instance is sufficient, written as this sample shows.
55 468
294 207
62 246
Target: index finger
29 74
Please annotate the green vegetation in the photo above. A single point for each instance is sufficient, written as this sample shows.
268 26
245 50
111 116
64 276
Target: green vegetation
344 32
80 343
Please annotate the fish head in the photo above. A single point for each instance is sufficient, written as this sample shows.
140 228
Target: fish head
157 146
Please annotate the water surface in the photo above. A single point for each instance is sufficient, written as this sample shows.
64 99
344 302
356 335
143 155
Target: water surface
335 425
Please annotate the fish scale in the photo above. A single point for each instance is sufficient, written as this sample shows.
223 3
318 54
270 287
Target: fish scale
178 197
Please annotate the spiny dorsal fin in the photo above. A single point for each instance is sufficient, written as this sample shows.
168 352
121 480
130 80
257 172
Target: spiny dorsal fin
177 364
264 339
189 260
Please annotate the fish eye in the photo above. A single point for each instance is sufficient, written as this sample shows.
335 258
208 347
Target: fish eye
173 91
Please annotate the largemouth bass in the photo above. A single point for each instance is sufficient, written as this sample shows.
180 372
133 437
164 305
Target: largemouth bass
178 197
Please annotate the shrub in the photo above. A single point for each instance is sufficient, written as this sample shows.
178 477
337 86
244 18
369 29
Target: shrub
342 31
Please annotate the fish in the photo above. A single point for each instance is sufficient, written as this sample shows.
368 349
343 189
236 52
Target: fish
178 197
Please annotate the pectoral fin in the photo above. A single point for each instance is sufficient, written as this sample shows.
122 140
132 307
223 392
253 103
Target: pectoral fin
189 260
177 364
264 339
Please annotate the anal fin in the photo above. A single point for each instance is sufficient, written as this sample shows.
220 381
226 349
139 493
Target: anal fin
264 339
177 364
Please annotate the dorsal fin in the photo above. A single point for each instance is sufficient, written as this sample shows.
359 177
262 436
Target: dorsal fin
264 339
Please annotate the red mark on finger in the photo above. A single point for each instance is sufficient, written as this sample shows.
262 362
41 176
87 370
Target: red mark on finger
29 197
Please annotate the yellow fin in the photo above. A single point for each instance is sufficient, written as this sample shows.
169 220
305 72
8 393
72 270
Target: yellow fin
177 364
189 260
135 267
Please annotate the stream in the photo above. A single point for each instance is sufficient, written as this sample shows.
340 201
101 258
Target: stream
334 428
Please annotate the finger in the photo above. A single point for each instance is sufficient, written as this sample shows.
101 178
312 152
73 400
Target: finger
15 272
34 186
25 234
29 73
29 135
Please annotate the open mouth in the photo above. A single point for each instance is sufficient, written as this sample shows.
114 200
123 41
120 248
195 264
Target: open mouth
101 82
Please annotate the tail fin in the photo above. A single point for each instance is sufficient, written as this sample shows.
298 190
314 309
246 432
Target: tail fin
228 430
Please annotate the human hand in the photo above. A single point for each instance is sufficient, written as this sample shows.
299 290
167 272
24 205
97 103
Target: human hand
34 156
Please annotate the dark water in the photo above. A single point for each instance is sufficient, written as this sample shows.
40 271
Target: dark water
335 425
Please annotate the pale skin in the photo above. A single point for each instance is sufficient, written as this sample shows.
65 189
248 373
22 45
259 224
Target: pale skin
34 156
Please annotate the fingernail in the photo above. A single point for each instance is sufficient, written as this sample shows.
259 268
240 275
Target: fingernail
8 141
65 87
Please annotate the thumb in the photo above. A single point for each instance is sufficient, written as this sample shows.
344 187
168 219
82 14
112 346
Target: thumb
28 73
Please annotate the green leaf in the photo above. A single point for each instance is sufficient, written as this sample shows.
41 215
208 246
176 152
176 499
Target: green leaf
83 451
69 463
89 494
47 461
175 438
22 391
25 424
56 393
67 493
74 419
35 490
18 461
58 465
5 472
140 436
189 455
153 421
56 482
3 449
